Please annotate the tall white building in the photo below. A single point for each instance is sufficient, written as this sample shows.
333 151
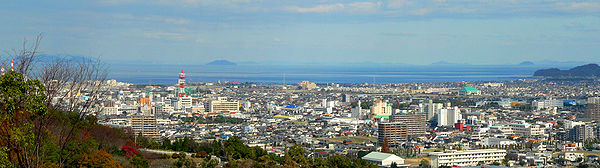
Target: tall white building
430 109
467 157
357 112
381 108
448 116
179 103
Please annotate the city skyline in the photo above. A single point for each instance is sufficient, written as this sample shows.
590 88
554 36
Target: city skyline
395 31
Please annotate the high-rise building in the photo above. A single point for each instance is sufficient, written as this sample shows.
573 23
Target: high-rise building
430 109
582 133
357 112
346 98
221 104
593 108
307 85
144 124
415 123
448 116
381 108
395 133
401 128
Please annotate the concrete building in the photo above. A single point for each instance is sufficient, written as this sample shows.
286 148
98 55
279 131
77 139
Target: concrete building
593 108
110 111
307 85
221 104
381 108
469 90
146 125
525 129
448 116
357 112
430 109
401 128
415 123
383 159
547 104
467 157
396 133
581 133
179 103
491 141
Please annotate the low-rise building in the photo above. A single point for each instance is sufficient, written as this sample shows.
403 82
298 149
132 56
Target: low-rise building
383 159
467 157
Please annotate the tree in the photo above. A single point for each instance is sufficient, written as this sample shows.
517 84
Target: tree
184 162
297 154
98 160
138 162
21 120
385 147
424 163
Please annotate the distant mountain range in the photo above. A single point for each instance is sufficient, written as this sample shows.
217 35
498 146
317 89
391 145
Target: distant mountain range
221 62
589 70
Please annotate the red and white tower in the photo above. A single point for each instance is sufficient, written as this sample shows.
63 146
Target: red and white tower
3 71
12 65
181 84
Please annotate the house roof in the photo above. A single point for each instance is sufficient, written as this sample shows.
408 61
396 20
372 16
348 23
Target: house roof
378 156
468 89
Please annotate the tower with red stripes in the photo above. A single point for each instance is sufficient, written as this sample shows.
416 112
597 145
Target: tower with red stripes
181 84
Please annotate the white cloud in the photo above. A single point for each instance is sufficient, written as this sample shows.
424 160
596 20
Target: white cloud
170 20
364 6
317 9
199 41
337 7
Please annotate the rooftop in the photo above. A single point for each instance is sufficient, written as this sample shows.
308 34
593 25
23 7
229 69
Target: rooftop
469 89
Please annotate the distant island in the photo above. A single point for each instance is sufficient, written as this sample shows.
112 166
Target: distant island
589 70
526 63
221 62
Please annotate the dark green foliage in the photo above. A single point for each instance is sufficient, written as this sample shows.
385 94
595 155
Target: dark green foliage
138 162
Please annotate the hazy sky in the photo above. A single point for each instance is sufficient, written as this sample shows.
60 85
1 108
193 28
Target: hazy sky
393 31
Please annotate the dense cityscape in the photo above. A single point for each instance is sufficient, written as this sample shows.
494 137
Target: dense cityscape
520 122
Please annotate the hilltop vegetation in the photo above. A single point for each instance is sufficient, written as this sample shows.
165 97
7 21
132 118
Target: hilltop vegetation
589 70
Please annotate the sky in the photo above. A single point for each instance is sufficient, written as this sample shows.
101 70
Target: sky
322 31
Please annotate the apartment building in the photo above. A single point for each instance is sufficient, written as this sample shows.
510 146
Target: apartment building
401 128
144 124
221 104
467 157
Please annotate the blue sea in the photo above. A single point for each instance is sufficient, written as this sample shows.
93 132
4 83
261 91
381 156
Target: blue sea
352 73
